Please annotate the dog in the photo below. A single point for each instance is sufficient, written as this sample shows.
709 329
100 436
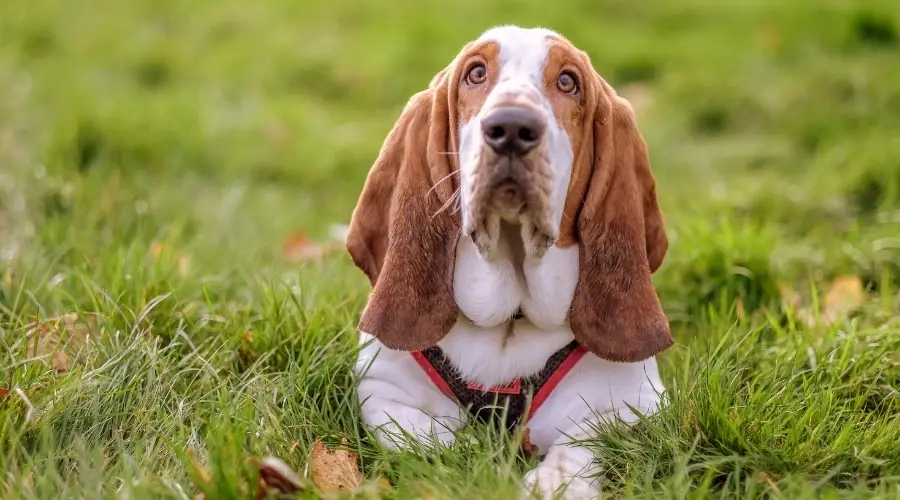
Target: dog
509 228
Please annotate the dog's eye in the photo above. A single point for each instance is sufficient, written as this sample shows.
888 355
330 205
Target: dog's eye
567 83
477 74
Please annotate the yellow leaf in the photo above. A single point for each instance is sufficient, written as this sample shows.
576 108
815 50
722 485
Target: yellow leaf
845 296
334 470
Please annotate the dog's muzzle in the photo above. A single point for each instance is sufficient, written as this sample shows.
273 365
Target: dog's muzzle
511 133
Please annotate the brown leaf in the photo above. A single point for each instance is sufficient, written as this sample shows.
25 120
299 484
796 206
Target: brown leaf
275 476
59 340
298 248
845 296
527 446
334 470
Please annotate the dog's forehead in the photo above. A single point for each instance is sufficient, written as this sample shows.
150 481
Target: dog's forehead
521 49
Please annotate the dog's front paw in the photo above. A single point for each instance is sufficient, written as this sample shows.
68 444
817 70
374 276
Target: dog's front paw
565 473
553 483
405 421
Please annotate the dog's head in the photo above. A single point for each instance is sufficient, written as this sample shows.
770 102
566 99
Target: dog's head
519 127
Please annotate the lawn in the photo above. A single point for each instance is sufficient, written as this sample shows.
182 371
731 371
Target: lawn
171 303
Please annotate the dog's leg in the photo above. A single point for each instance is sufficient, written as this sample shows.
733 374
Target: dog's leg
391 418
566 464
400 402
574 411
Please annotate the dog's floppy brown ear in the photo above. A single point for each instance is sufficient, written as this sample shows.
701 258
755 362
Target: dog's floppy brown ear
615 312
403 231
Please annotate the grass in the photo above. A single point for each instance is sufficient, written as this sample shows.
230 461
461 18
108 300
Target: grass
154 156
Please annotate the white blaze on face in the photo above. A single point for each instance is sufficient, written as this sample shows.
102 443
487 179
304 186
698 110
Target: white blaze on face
523 56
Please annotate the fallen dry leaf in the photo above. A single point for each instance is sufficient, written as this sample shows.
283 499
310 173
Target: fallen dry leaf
298 248
334 470
275 476
60 340
527 446
845 296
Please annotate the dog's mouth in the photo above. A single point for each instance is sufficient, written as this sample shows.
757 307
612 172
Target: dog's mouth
516 191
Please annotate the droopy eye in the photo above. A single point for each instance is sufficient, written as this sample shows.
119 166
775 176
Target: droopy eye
477 74
567 83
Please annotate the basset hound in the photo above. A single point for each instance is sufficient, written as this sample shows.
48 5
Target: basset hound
509 228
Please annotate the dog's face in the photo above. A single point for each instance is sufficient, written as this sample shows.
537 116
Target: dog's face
521 104
522 129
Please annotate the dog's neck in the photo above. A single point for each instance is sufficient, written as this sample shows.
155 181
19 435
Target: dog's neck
488 345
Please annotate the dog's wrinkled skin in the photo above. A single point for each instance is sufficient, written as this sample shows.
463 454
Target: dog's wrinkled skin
517 181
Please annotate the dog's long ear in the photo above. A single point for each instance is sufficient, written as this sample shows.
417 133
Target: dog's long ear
404 231
615 312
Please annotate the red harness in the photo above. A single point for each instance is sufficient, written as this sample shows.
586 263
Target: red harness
514 398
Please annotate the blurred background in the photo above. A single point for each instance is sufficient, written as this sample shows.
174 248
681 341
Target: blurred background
230 127
238 134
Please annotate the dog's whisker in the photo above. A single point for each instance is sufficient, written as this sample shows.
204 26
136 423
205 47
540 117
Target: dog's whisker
450 201
440 181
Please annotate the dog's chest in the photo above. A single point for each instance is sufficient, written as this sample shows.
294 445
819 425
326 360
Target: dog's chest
489 293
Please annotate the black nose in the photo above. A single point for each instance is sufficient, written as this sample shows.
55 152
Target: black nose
512 130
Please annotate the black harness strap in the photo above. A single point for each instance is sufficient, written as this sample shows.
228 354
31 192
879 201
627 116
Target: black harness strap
486 404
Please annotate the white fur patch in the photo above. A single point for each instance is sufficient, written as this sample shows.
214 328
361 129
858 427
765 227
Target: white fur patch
523 55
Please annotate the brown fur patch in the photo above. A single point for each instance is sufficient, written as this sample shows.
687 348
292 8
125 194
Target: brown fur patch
614 216
403 231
